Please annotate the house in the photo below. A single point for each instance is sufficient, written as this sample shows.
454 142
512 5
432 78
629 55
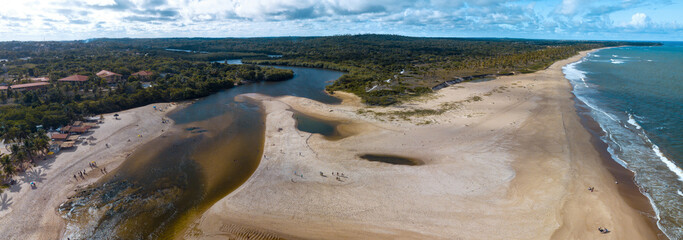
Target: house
68 144
59 136
143 74
40 79
74 138
74 78
29 86
4 87
110 77
65 129
78 130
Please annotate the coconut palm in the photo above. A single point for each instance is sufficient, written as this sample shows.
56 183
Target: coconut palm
8 168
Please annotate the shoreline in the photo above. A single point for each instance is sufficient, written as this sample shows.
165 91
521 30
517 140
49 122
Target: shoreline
628 187
521 161
269 224
19 217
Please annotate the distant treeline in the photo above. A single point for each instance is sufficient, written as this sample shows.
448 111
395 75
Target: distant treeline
373 63
58 104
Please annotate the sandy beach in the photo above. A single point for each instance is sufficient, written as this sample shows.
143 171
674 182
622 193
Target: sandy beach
503 159
32 213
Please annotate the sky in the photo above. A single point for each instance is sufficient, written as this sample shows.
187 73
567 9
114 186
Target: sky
37 20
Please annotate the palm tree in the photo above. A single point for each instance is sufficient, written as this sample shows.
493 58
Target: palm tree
8 168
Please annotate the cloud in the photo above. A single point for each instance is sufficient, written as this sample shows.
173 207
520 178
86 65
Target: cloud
639 20
66 19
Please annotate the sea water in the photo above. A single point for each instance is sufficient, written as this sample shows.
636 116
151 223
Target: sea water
635 94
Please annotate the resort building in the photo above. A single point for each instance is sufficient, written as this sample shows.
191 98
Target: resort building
111 77
74 78
40 79
143 74
29 86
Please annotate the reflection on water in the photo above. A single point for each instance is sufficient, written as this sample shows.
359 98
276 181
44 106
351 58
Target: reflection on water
215 146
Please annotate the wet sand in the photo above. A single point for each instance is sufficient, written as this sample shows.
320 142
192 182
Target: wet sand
506 158
32 213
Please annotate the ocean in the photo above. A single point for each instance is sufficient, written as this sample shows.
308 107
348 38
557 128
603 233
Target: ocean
635 94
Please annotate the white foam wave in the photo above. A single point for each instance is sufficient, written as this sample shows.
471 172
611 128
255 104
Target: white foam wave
633 122
585 101
615 55
621 144
672 166
596 55
649 60
584 82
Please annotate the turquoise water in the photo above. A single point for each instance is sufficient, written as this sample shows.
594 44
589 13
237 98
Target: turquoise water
635 94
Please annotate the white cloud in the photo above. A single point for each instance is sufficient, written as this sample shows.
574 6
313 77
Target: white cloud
100 2
68 19
639 20
569 7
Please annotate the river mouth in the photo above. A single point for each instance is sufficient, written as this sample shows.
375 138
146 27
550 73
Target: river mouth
170 181
392 159
214 147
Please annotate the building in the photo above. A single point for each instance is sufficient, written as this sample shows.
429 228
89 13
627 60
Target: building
29 86
78 130
111 77
4 87
74 78
40 79
143 74
59 136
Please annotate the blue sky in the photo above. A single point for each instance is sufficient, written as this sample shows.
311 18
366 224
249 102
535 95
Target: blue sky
558 19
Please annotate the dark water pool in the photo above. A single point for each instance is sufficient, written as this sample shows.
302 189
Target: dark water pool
392 159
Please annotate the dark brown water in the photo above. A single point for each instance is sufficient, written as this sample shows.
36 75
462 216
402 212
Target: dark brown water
329 129
215 146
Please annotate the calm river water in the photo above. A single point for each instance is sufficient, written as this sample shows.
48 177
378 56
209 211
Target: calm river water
214 147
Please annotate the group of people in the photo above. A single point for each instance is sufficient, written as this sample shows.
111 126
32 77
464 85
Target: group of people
339 176
84 173
81 174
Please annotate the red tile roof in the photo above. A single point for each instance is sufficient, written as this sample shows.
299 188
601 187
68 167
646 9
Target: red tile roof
74 78
29 85
59 136
79 129
3 87
105 73
142 73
